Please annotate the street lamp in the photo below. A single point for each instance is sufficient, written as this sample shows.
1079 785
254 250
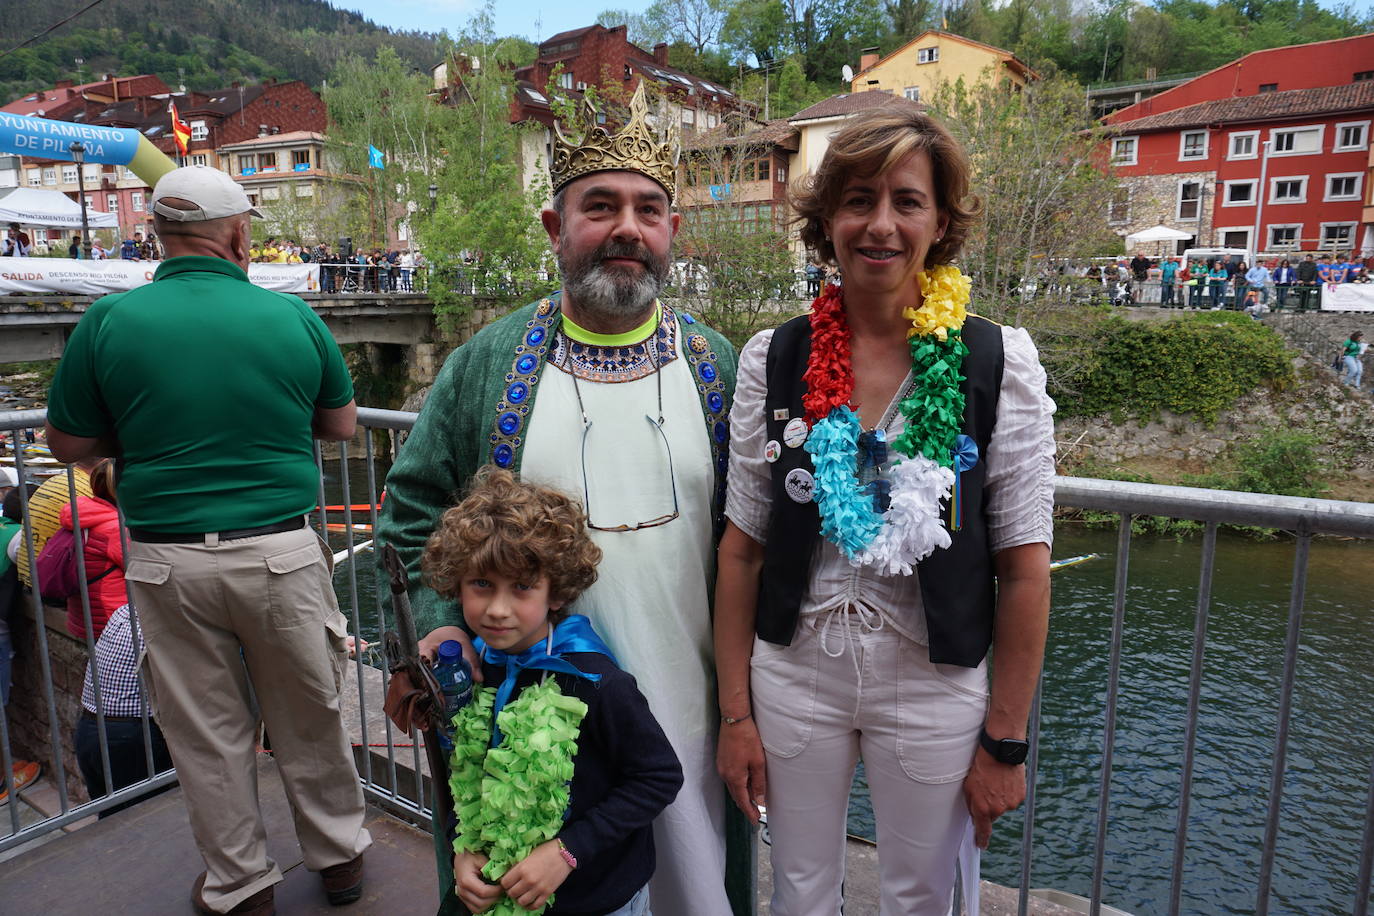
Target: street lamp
78 151
433 197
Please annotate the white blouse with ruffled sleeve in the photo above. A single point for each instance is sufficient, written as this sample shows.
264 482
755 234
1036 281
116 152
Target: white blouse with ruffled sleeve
1019 487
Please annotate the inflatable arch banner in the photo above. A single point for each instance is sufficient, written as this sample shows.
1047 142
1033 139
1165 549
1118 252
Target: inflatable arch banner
47 139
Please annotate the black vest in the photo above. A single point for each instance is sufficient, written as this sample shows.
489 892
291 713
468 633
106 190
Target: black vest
957 583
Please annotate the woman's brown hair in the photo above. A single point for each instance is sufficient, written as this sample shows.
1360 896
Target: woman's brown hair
871 143
512 528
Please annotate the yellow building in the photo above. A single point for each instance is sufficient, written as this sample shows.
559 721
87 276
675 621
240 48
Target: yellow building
917 68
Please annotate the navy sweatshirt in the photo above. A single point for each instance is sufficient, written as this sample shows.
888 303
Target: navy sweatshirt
624 774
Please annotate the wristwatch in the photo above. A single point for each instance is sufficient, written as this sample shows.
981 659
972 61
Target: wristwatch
1004 750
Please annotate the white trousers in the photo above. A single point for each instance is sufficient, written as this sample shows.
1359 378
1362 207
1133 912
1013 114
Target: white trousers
914 724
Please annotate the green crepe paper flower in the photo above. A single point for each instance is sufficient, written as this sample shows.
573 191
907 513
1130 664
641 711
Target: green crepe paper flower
934 411
511 798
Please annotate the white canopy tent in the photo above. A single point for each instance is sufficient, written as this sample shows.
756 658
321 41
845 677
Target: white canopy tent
1157 234
39 207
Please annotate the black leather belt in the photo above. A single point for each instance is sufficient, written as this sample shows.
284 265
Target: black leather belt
144 536
91 717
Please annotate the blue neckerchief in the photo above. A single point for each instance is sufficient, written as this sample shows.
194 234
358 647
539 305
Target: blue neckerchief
573 634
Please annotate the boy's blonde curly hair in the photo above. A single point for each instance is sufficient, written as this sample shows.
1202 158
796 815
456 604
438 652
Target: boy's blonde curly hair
514 529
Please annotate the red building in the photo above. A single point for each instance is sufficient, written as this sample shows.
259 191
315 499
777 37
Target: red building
217 119
1269 153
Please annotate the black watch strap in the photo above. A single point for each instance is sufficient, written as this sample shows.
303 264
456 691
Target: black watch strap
1004 750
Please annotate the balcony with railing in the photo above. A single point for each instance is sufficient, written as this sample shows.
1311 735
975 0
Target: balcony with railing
1202 797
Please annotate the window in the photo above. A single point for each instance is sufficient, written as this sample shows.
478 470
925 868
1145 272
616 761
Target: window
755 169
92 171
927 55
199 131
1290 190
1189 200
1285 236
35 178
200 159
248 164
1269 87
1239 193
689 117
253 198
136 201
305 189
112 203
1124 151
1343 187
1336 235
1235 238
69 174
1351 137
1362 75
300 160
912 93
1119 207
267 162
565 79
1243 145
271 192
127 174
1193 144
50 176
712 119
1296 141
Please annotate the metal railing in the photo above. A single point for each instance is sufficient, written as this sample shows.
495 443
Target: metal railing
395 779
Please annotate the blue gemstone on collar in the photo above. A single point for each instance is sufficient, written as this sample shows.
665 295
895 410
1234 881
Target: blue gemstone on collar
722 432
535 337
707 372
687 318
508 423
517 392
503 455
525 364
715 401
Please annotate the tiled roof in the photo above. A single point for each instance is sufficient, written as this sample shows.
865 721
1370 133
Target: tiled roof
568 35
849 103
1267 106
778 132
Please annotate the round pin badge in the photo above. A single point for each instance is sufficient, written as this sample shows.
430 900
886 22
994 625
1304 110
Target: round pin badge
794 433
772 451
800 485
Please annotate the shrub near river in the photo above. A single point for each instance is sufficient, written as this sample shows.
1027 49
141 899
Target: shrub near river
1195 366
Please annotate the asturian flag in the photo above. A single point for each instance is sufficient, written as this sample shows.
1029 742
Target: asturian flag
181 131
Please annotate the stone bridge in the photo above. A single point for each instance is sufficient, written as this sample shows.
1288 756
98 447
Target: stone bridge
34 327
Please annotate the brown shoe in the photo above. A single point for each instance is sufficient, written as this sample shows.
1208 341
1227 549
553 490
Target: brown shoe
260 904
343 883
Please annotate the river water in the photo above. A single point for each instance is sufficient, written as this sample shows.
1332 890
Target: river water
1326 782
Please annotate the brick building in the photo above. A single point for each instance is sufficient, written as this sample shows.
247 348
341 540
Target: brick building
1270 153
217 119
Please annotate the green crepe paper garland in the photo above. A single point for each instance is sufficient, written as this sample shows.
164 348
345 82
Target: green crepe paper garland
934 411
511 798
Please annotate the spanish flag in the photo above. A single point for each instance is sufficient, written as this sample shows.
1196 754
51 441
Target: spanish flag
181 131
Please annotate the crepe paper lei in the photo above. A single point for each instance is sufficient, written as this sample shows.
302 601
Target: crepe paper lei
511 798
910 528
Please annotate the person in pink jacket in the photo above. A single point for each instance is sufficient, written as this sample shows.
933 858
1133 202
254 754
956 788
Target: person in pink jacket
104 553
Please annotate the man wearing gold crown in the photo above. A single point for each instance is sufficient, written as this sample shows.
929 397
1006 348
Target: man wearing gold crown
618 399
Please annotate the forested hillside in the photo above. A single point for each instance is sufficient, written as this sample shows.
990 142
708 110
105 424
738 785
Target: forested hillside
202 44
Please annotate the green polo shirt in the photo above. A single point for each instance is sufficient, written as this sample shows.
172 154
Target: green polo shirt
209 383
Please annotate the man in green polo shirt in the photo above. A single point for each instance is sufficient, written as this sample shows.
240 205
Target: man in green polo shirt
208 389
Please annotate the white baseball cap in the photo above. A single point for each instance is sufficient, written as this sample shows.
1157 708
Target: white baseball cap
214 193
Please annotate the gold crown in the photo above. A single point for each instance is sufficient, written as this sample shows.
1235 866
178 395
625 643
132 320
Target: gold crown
636 147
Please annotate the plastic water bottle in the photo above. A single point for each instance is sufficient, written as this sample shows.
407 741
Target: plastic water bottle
454 675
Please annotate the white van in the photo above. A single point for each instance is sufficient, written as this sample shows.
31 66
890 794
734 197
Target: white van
1207 254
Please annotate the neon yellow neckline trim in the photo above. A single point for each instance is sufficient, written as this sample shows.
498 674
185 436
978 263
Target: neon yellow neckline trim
582 335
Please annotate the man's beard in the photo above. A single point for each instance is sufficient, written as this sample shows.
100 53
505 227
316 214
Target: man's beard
609 293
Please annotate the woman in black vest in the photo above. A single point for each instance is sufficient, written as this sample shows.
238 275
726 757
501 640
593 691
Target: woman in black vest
891 480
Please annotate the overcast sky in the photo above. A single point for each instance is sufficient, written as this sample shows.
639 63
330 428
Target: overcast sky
532 19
